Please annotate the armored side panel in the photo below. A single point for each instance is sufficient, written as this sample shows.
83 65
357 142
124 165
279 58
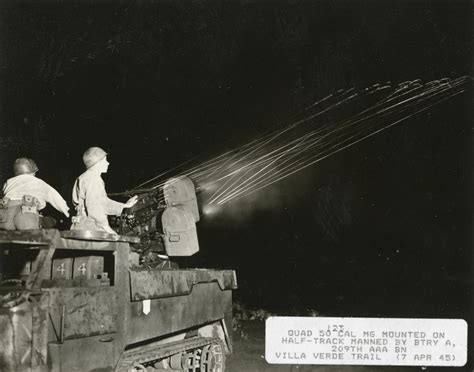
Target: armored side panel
180 191
179 230
168 301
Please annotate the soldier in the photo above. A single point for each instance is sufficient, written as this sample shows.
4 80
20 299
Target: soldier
24 196
90 198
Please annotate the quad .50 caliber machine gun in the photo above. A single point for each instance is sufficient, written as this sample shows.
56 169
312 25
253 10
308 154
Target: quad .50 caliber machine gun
165 220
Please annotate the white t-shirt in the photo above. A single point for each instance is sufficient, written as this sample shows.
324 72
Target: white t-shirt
26 184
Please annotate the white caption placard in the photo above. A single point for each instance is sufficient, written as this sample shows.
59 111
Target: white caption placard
366 341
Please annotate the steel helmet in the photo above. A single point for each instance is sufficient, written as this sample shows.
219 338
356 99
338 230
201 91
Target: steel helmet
92 156
24 166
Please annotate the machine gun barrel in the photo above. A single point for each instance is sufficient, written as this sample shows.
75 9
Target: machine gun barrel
133 192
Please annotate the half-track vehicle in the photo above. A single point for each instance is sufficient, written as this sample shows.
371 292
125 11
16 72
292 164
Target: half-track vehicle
91 301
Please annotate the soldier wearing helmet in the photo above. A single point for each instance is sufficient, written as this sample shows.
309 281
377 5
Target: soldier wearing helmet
90 198
24 196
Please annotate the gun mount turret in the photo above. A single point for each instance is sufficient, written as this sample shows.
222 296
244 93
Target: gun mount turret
164 218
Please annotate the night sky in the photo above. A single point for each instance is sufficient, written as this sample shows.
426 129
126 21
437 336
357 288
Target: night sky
381 229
